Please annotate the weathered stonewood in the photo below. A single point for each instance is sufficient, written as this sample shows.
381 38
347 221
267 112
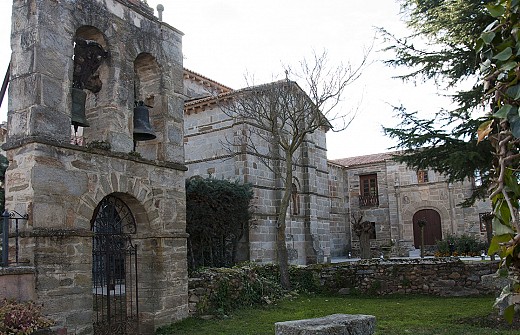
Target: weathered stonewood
335 324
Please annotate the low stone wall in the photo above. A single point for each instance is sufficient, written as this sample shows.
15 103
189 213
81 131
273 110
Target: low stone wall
17 282
436 276
433 276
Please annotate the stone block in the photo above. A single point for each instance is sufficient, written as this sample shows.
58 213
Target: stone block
52 93
49 123
56 181
27 90
17 283
335 324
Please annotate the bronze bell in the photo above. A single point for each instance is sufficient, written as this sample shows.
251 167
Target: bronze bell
78 117
142 129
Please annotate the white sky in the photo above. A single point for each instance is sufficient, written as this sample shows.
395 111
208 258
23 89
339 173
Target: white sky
225 39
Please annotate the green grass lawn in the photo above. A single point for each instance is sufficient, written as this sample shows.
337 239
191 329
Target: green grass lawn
417 315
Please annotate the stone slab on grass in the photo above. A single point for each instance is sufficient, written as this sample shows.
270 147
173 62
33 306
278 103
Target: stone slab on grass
335 324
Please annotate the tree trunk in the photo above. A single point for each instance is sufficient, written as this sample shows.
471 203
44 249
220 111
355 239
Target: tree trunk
281 244
364 245
422 241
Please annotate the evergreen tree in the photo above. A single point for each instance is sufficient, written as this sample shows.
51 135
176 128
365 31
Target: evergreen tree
446 30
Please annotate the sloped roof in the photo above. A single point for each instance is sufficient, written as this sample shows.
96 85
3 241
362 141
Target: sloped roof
364 160
211 99
202 102
188 74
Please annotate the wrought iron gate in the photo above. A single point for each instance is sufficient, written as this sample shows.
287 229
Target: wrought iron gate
114 265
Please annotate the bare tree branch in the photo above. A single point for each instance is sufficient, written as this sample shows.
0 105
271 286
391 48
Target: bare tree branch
277 118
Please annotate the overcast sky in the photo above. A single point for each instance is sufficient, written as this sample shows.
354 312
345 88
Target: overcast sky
225 39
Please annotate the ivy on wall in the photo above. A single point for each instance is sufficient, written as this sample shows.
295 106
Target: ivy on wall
217 217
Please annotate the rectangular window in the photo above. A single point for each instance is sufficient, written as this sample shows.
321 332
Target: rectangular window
373 231
422 176
368 191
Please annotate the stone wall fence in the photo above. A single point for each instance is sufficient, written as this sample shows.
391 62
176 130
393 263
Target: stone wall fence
446 277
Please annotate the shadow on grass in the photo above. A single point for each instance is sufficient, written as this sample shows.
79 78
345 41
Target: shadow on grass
418 315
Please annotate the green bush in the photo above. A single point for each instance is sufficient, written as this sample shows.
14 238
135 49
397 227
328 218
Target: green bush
463 245
21 318
304 281
217 216
236 287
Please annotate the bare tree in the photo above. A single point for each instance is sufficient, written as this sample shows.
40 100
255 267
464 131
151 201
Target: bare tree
278 117
364 230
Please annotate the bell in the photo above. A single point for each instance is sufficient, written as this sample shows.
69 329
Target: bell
142 129
77 117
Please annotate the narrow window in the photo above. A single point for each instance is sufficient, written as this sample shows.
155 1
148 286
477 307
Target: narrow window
295 200
373 231
422 176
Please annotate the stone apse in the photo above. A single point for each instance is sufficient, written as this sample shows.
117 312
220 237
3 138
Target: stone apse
106 205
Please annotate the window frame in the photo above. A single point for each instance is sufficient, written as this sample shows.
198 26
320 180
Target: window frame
368 190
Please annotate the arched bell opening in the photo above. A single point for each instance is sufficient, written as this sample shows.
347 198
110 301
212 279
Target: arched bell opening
89 70
148 104
114 268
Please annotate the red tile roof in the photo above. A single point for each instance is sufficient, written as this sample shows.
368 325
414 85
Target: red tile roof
363 160
197 76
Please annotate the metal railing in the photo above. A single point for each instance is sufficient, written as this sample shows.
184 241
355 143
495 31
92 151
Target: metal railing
11 218
368 200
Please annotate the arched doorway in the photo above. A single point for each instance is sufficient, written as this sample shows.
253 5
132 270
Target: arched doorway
114 265
432 229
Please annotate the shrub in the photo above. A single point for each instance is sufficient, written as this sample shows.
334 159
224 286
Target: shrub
235 287
217 216
21 318
463 245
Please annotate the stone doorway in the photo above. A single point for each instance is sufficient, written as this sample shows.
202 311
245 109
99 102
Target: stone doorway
114 268
432 229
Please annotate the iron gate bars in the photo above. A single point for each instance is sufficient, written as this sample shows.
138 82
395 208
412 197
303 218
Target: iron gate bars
114 268
6 218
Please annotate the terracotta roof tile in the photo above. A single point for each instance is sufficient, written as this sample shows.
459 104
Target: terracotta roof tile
195 75
213 98
363 160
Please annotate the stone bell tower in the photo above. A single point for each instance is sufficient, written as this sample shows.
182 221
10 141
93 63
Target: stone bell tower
106 205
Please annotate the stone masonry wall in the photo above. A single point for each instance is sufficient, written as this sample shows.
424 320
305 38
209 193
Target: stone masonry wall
340 239
60 185
400 196
57 239
438 277
208 132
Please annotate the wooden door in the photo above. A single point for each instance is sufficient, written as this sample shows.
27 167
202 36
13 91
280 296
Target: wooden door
432 229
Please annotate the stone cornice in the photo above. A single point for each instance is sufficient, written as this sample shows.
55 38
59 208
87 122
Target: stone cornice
146 11
15 144
16 270
60 232
56 232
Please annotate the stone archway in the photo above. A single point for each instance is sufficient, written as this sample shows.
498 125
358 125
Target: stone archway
432 229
